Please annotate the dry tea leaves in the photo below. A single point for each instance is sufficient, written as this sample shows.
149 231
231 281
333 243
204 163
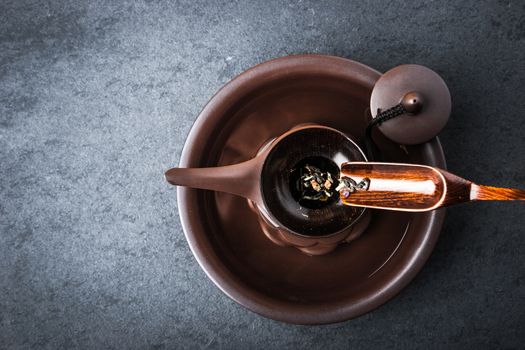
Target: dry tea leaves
348 185
315 184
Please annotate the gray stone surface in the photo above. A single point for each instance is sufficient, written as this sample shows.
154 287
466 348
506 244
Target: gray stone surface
96 100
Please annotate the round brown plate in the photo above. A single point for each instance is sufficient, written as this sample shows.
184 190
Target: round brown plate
223 232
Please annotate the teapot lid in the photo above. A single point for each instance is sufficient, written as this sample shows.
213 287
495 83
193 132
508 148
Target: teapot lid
423 96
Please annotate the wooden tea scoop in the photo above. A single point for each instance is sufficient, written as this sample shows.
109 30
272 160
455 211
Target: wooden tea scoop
410 187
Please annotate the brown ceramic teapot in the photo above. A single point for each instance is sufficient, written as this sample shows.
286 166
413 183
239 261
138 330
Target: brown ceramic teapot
266 181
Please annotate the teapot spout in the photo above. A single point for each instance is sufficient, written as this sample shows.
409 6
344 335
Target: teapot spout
240 179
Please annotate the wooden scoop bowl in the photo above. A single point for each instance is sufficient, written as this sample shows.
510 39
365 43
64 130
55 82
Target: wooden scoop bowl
414 188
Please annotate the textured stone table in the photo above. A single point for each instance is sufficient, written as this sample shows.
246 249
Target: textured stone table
96 101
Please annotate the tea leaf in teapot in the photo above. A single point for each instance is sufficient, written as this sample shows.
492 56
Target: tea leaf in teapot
316 185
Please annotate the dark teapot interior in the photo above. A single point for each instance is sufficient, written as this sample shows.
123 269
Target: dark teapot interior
324 148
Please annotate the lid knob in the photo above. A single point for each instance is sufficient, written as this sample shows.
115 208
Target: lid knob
412 102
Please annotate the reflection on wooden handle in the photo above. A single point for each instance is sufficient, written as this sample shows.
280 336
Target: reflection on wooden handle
393 186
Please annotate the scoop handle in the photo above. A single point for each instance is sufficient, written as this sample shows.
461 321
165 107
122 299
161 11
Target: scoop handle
489 193
240 179
412 187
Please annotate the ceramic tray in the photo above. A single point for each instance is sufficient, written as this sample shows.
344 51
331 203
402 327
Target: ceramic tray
223 232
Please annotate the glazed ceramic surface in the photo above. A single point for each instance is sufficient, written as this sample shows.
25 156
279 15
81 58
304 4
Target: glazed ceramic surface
224 233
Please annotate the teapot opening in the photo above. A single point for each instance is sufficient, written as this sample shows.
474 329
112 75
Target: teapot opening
317 214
